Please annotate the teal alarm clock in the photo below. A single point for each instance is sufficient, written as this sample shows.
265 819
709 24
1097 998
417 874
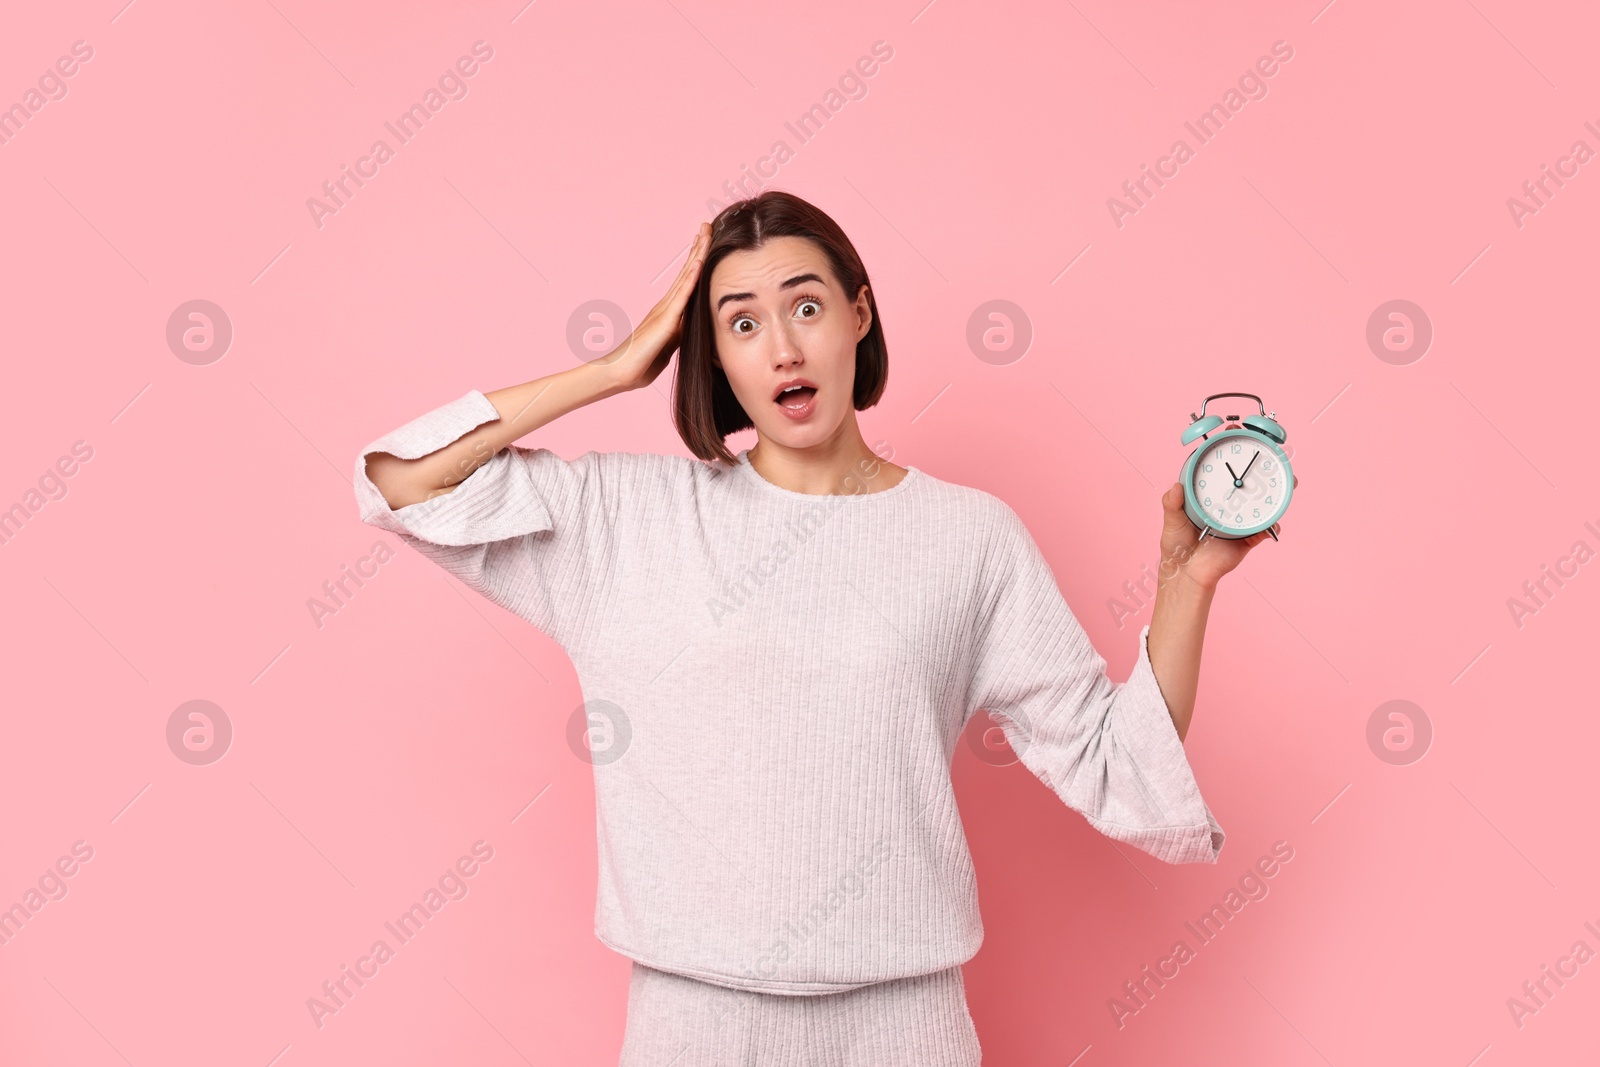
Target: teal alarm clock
1239 481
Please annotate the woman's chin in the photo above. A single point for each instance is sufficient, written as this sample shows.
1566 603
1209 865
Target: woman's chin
787 433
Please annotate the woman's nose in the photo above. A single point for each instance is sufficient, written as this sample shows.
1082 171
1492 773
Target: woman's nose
786 350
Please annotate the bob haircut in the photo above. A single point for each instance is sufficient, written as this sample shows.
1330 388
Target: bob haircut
704 409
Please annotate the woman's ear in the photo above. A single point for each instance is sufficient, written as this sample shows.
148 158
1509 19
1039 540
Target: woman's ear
863 314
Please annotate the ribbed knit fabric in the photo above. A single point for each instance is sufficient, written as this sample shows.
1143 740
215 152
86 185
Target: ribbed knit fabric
921 1021
778 681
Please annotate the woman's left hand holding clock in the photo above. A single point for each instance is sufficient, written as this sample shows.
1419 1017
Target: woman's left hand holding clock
1204 566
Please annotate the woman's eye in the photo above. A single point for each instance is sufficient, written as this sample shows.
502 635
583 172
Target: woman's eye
735 322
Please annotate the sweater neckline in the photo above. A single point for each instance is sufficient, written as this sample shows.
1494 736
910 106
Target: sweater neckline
912 474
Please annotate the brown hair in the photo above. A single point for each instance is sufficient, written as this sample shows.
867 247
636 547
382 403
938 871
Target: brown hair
704 409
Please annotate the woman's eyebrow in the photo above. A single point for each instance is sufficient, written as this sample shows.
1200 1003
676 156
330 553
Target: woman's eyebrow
798 279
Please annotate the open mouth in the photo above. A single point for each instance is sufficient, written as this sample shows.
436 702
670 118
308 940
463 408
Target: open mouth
796 397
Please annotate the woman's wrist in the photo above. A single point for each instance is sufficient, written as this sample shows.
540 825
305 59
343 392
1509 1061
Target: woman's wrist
1188 582
1175 586
596 381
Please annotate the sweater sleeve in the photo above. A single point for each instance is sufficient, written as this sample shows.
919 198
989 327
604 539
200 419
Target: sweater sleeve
1110 751
529 530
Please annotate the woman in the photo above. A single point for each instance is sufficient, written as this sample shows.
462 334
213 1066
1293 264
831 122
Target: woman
780 649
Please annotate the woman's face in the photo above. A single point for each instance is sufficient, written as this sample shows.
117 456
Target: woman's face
780 314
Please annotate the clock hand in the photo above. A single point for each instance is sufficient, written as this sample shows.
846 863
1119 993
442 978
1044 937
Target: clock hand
1238 479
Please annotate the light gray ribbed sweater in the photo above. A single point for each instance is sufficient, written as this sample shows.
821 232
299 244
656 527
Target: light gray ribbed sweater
779 681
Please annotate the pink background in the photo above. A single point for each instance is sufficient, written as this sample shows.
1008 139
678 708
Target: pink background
371 751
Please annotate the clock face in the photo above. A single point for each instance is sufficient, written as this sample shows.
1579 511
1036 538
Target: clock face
1240 483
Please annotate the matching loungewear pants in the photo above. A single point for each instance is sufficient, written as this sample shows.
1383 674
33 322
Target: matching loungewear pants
677 1021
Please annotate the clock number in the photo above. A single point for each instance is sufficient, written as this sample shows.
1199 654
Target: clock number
1237 518
1268 500
1237 448
1273 482
1202 483
1256 514
1266 464
1207 502
1208 468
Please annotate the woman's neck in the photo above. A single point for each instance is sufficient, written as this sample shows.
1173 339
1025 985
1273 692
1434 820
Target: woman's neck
843 467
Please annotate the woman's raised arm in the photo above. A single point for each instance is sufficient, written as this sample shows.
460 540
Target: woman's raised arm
523 408
634 364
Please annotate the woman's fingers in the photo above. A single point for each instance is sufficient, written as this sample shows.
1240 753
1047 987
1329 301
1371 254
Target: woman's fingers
1257 538
677 297
645 352
691 265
